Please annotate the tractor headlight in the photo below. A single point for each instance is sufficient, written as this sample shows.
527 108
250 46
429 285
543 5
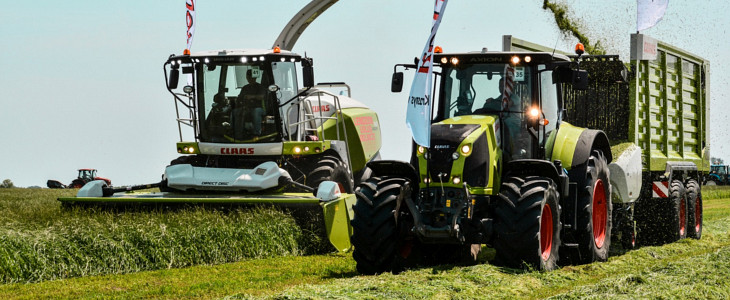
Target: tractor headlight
456 180
466 149
421 149
297 150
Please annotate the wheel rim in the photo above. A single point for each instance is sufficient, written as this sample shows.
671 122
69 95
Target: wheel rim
546 232
600 214
682 216
698 215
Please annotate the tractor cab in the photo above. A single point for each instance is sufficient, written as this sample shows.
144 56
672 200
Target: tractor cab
87 174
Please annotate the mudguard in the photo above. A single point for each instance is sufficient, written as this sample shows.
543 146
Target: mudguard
393 168
573 145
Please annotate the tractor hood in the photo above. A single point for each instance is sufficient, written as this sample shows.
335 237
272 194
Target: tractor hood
463 150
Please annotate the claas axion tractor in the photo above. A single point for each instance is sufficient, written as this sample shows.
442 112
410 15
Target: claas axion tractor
505 167
262 134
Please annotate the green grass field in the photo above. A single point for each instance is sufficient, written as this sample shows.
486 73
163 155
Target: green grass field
40 240
698 269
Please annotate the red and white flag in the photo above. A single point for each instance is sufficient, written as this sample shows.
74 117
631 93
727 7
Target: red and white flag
418 114
649 13
190 22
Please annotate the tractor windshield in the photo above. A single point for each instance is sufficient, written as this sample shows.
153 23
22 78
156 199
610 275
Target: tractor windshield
238 102
490 89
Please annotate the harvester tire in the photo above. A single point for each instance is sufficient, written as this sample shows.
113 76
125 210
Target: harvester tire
375 234
675 216
593 230
527 224
331 168
694 210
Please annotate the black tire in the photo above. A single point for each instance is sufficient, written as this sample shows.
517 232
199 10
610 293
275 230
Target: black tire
331 168
375 236
527 224
694 210
675 213
593 232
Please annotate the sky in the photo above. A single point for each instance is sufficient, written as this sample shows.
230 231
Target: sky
82 82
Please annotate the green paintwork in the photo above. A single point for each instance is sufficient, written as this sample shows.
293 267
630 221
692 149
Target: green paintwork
362 130
565 141
337 217
337 213
671 109
486 124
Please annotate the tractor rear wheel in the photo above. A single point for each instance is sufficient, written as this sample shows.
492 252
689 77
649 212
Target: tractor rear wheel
375 234
527 224
694 210
675 214
593 230
329 167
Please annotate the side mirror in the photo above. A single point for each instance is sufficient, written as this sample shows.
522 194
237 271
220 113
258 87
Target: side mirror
307 72
396 84
580 80
174 78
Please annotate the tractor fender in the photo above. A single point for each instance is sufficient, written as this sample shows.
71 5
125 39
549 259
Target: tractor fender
573 145
538 167
394 168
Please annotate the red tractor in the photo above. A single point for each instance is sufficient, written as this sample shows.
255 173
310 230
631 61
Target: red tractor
85 176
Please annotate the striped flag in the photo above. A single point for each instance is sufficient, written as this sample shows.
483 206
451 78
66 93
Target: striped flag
418 114
190 21
509 85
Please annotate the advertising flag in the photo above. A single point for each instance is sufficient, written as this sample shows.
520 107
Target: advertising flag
649 13
190 21
418 114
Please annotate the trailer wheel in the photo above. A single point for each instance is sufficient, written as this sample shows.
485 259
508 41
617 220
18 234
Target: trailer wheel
675 217
330 167
694 210
375 234
527 224
593 230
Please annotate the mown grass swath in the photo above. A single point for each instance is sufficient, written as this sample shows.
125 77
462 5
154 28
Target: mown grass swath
39 240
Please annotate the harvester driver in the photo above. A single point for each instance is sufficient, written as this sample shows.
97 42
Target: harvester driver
249 110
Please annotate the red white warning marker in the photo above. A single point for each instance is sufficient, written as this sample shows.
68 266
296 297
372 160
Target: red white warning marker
660 189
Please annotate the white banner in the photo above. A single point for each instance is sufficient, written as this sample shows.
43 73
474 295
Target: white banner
418 114
649 13
190 21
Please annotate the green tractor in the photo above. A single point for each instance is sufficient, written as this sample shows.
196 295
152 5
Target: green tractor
503 169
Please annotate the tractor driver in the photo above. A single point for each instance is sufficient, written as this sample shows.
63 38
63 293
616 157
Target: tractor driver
249 107
492 105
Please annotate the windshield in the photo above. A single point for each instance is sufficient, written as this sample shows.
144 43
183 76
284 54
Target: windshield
236 104
479 89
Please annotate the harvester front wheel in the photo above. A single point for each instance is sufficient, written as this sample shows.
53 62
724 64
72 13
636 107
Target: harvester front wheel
331 168
527 224
375 234
694 210
594 221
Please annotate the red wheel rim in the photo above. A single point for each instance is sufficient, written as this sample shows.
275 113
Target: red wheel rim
600 213
698 215
546 232
682 216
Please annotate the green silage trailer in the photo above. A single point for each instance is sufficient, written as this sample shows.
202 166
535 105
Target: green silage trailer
655 111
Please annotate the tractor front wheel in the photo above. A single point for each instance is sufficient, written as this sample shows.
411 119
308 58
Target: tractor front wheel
527 224
375 234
